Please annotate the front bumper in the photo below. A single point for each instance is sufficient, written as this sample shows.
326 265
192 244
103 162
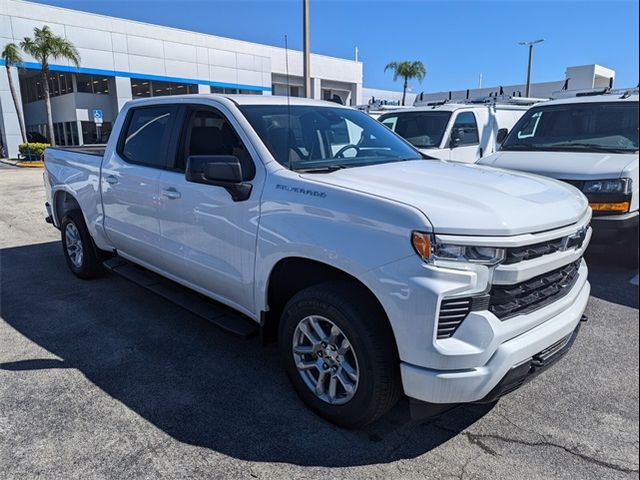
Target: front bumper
484 382
614 229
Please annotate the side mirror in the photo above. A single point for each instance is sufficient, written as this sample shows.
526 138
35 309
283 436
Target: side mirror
220 170
502 134
457 135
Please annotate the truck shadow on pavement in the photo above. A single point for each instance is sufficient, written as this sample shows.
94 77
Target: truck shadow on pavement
610 274
193 381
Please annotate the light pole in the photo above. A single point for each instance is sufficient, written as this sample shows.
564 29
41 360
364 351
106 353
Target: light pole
530 45
305 47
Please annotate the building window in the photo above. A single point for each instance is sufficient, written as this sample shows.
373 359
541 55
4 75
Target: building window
31 86
94 133
155 88
92 84
234 91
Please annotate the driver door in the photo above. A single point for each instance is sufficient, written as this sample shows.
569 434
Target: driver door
209 238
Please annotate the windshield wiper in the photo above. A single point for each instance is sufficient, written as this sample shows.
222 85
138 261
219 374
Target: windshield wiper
322 169
592 146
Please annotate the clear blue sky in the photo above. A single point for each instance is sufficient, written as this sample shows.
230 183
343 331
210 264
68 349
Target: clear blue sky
456 40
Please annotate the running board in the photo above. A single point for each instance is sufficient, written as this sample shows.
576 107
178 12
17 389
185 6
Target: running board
212 311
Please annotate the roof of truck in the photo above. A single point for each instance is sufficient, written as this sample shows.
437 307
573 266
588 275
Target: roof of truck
452 107
618 96
244 99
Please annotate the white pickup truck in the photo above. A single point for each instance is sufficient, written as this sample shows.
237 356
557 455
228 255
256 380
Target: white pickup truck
590 140
457 131
380 272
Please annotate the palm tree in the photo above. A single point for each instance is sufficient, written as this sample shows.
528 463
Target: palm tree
43 46
12 58
407 70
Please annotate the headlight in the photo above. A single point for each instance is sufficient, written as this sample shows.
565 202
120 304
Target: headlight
430 250
620 185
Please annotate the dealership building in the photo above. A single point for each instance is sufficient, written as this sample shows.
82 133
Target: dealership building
123 60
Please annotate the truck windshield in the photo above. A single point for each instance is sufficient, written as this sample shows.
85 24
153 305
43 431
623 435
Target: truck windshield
421 129
318 138
579 127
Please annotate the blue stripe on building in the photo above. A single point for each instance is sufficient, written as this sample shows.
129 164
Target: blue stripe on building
141 76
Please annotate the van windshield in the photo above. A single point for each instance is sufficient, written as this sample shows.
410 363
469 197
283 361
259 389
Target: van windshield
592 127
421 129
317 138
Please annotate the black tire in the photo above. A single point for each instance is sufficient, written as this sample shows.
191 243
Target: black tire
90 265
369 333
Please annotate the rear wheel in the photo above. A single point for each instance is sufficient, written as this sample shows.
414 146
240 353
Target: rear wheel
339 353
79 250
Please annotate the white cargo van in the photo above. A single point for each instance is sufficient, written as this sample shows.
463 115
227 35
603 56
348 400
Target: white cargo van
590 140
462 132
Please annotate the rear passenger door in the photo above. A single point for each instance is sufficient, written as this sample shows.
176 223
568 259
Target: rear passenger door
465 130
129 182
209 239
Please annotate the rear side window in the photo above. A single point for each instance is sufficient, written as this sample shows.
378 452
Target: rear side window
467 122
144 140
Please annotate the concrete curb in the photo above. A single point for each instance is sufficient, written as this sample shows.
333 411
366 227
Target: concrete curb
22 163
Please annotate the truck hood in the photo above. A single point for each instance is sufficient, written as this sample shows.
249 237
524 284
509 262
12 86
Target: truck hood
467 199
563 165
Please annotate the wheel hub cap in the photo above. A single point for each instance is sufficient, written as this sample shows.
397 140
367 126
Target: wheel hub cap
74 244
325 359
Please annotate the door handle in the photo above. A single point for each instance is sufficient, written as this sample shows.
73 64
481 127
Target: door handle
111 179
171 193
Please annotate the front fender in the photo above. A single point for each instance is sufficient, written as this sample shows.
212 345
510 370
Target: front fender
350 231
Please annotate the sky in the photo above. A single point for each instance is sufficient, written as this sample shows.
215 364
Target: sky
456 40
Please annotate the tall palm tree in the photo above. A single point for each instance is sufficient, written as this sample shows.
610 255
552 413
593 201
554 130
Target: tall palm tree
43 46
12 58
407 70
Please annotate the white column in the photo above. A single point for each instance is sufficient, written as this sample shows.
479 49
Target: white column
204 89
9 125
356 94
123 91
316 88
80 136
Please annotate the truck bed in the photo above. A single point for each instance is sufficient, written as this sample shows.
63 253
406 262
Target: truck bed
95 149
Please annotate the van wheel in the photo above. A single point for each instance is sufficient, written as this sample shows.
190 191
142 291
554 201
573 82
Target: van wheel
339 353
79 250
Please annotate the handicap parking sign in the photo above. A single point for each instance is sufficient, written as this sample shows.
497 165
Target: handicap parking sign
97 116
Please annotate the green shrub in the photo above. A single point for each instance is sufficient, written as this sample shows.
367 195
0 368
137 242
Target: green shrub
32 149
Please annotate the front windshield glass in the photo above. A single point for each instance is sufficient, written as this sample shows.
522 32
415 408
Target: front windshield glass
421 129
595 127
307 138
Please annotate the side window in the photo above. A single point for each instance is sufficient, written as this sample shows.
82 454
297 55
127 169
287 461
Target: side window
390 122
145 136
208 132
467 122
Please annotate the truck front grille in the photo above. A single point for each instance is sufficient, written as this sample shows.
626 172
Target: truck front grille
509 300
529 252
520 254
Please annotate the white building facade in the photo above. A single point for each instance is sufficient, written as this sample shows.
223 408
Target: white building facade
123 59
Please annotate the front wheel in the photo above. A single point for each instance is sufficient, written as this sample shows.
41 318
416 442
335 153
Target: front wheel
77 245
339 353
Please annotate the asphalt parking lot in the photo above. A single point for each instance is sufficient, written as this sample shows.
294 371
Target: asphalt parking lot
102 379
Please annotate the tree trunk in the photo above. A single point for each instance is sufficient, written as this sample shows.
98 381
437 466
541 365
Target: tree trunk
16 103
404 89
47 103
